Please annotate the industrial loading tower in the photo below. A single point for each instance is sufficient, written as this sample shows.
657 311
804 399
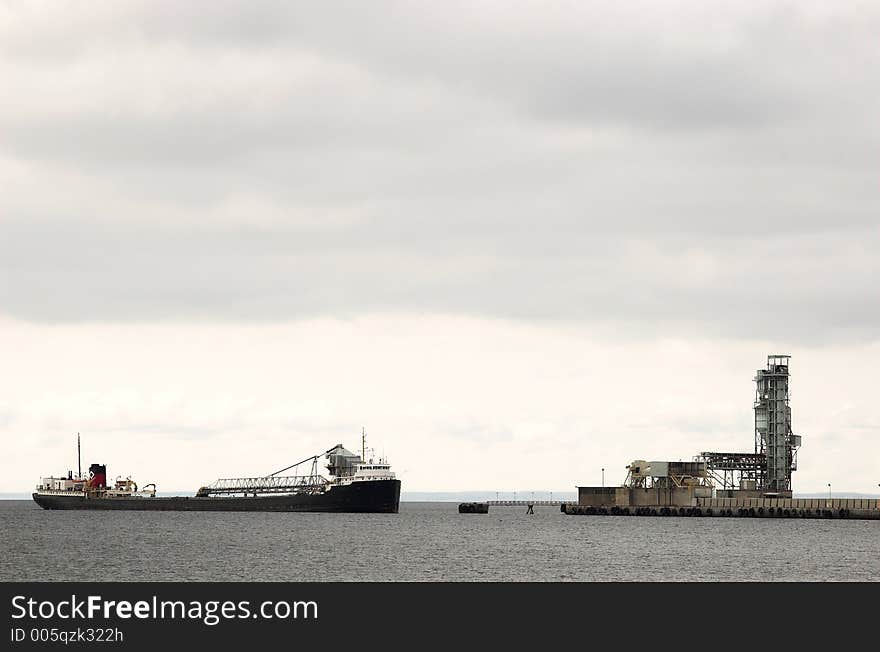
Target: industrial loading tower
774 439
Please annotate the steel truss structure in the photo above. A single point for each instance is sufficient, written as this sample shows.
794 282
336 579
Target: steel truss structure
729 470
278 484
273 483
773 436
769 468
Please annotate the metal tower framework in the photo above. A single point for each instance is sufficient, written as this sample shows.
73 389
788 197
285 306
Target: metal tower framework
774 439
769 468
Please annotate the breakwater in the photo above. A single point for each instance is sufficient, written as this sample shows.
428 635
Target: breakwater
820 508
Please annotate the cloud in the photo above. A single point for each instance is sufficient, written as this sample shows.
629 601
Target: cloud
691 168
818 287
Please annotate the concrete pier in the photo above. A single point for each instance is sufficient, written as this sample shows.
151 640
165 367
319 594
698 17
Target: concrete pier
473 508
526 503
839 508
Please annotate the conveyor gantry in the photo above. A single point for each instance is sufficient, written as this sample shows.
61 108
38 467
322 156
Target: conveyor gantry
273 484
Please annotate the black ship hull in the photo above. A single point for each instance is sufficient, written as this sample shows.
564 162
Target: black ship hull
373 496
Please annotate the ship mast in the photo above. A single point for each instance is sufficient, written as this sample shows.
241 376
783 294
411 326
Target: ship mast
363 445
79 473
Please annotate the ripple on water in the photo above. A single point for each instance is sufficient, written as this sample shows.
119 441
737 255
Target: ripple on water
427 542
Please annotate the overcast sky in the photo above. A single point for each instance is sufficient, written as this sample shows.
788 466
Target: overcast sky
517 241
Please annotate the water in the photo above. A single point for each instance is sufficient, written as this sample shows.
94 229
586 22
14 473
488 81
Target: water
427 542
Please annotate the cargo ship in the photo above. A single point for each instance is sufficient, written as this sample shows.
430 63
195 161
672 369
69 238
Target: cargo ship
357 483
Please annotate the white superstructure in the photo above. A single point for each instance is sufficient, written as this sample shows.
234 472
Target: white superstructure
367 472
346 467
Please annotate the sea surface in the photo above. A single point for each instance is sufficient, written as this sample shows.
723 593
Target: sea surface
427 542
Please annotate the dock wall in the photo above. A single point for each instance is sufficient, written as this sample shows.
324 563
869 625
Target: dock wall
793 503
839 508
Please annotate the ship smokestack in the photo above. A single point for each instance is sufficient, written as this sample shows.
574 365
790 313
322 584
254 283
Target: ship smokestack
99 476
